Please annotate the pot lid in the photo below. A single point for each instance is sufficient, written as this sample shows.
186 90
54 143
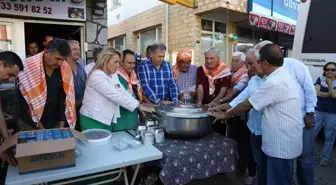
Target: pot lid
184 110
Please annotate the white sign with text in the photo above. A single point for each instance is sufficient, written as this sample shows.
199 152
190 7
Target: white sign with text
50 9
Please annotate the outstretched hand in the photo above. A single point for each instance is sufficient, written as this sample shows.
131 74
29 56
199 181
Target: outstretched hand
223 107
8 155
219 115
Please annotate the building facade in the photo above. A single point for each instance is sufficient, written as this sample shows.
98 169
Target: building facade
177 26
25 21
136 24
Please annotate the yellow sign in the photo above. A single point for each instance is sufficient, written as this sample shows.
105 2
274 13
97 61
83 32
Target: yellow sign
171 2
187 3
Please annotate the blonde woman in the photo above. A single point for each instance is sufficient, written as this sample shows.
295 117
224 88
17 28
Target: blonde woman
104 94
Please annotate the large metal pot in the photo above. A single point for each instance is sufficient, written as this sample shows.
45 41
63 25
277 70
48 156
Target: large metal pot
184 120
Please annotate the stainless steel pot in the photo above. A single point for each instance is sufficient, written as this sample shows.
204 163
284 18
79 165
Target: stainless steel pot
184 120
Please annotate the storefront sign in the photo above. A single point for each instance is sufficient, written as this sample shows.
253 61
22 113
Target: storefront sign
292 30
186 3
268 23
285 10
271 24
277 15
49 9
254 20
171 2
283 27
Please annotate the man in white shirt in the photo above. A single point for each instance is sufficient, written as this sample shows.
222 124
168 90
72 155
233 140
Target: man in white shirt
305 162
90 66
278 100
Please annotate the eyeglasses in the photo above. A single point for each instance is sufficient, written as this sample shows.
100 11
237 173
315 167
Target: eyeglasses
330 69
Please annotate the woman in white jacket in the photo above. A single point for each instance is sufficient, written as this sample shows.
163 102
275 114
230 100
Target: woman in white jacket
104 94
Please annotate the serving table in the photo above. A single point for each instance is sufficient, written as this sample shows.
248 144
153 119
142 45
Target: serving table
92 159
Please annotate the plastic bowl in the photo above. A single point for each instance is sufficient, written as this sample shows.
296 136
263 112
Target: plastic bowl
120 146
98 137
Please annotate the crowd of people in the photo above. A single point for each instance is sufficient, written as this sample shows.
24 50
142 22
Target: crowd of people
285 110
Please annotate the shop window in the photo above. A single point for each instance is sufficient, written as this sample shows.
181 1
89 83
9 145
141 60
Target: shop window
220 27
214 35
206 25
115 3
6 37
147 38
119 43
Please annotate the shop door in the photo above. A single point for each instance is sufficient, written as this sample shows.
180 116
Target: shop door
6 36
12 36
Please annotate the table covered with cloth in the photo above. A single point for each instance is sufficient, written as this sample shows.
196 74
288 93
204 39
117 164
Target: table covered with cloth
185 160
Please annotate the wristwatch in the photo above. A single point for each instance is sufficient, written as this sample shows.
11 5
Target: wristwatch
310 114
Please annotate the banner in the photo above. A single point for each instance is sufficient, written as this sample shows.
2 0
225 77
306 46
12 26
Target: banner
254 20
285 10
283 27
270 24
292 30
49 9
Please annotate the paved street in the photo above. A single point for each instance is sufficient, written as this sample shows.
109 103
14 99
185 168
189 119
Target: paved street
323 175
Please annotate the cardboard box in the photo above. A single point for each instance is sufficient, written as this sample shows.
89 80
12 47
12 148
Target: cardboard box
41 150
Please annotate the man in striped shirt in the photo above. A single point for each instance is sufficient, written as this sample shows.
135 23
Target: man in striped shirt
156 77
303 80
254 118
279 101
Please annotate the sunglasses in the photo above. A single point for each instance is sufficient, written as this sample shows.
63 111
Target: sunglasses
330 69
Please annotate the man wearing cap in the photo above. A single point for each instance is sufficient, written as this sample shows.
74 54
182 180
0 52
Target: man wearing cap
185 75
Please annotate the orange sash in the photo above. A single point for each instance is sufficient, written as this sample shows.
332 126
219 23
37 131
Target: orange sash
237 75
220 71
33 86
131 80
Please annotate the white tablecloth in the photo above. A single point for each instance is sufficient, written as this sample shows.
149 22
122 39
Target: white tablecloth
93 159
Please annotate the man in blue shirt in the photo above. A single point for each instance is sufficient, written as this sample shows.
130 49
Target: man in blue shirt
254 120
156 77
79 75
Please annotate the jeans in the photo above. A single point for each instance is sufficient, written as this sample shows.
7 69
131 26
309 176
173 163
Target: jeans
259 157
328 120
279 171
305 162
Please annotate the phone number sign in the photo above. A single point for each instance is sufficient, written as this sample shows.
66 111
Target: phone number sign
50 9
